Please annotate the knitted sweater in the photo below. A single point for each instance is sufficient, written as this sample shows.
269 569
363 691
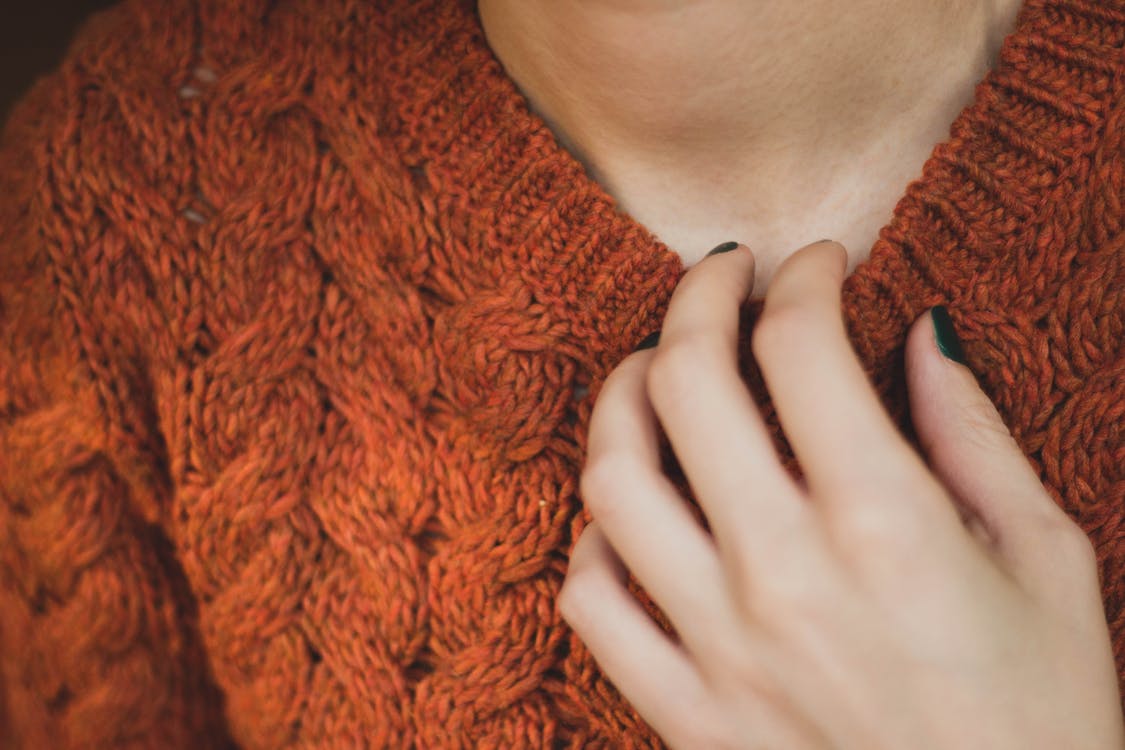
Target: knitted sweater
303 313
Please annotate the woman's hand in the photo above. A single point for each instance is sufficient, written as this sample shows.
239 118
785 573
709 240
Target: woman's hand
886 604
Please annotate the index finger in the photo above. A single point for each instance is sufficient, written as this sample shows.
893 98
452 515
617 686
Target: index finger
711 419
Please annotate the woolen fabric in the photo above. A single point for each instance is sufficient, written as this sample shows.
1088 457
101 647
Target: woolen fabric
303 313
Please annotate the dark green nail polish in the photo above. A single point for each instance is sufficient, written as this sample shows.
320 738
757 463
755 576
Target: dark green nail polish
947 340
726 247
649 341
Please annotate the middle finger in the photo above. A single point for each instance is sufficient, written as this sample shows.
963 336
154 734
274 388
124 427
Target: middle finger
842 436
712 422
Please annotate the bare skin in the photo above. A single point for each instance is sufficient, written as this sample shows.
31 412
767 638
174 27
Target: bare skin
773 122
888 602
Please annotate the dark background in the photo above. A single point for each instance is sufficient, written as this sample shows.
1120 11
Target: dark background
33 38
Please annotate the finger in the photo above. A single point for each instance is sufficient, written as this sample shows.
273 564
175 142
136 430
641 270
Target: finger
642 513
975 457
843 438
712 422
655 674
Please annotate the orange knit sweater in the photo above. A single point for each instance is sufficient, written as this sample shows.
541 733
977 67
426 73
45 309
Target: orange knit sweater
302 317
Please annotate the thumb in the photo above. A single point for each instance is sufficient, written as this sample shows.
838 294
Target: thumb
973 454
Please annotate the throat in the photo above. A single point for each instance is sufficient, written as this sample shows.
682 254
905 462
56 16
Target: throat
775 124
774 219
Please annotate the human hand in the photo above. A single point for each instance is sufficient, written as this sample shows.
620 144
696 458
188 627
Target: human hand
885 603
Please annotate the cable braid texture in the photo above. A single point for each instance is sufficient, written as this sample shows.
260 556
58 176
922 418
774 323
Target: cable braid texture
303 313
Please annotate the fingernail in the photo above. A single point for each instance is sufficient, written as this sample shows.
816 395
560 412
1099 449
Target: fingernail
726 247
649 341
947 340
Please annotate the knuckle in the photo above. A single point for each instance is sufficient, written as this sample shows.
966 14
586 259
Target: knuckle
1073 578
787 597
596 478
786 584
1068 535
577 598
877 530
675 371
796 587
599 482
780 326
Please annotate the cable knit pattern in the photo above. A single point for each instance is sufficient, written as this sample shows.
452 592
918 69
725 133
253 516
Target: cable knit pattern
303 313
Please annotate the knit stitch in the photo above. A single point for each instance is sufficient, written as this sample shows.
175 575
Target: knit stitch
303 313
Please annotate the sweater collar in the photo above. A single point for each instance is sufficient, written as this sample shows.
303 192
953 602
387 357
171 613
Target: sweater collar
527 209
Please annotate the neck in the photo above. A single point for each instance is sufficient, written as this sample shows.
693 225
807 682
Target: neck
760 101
